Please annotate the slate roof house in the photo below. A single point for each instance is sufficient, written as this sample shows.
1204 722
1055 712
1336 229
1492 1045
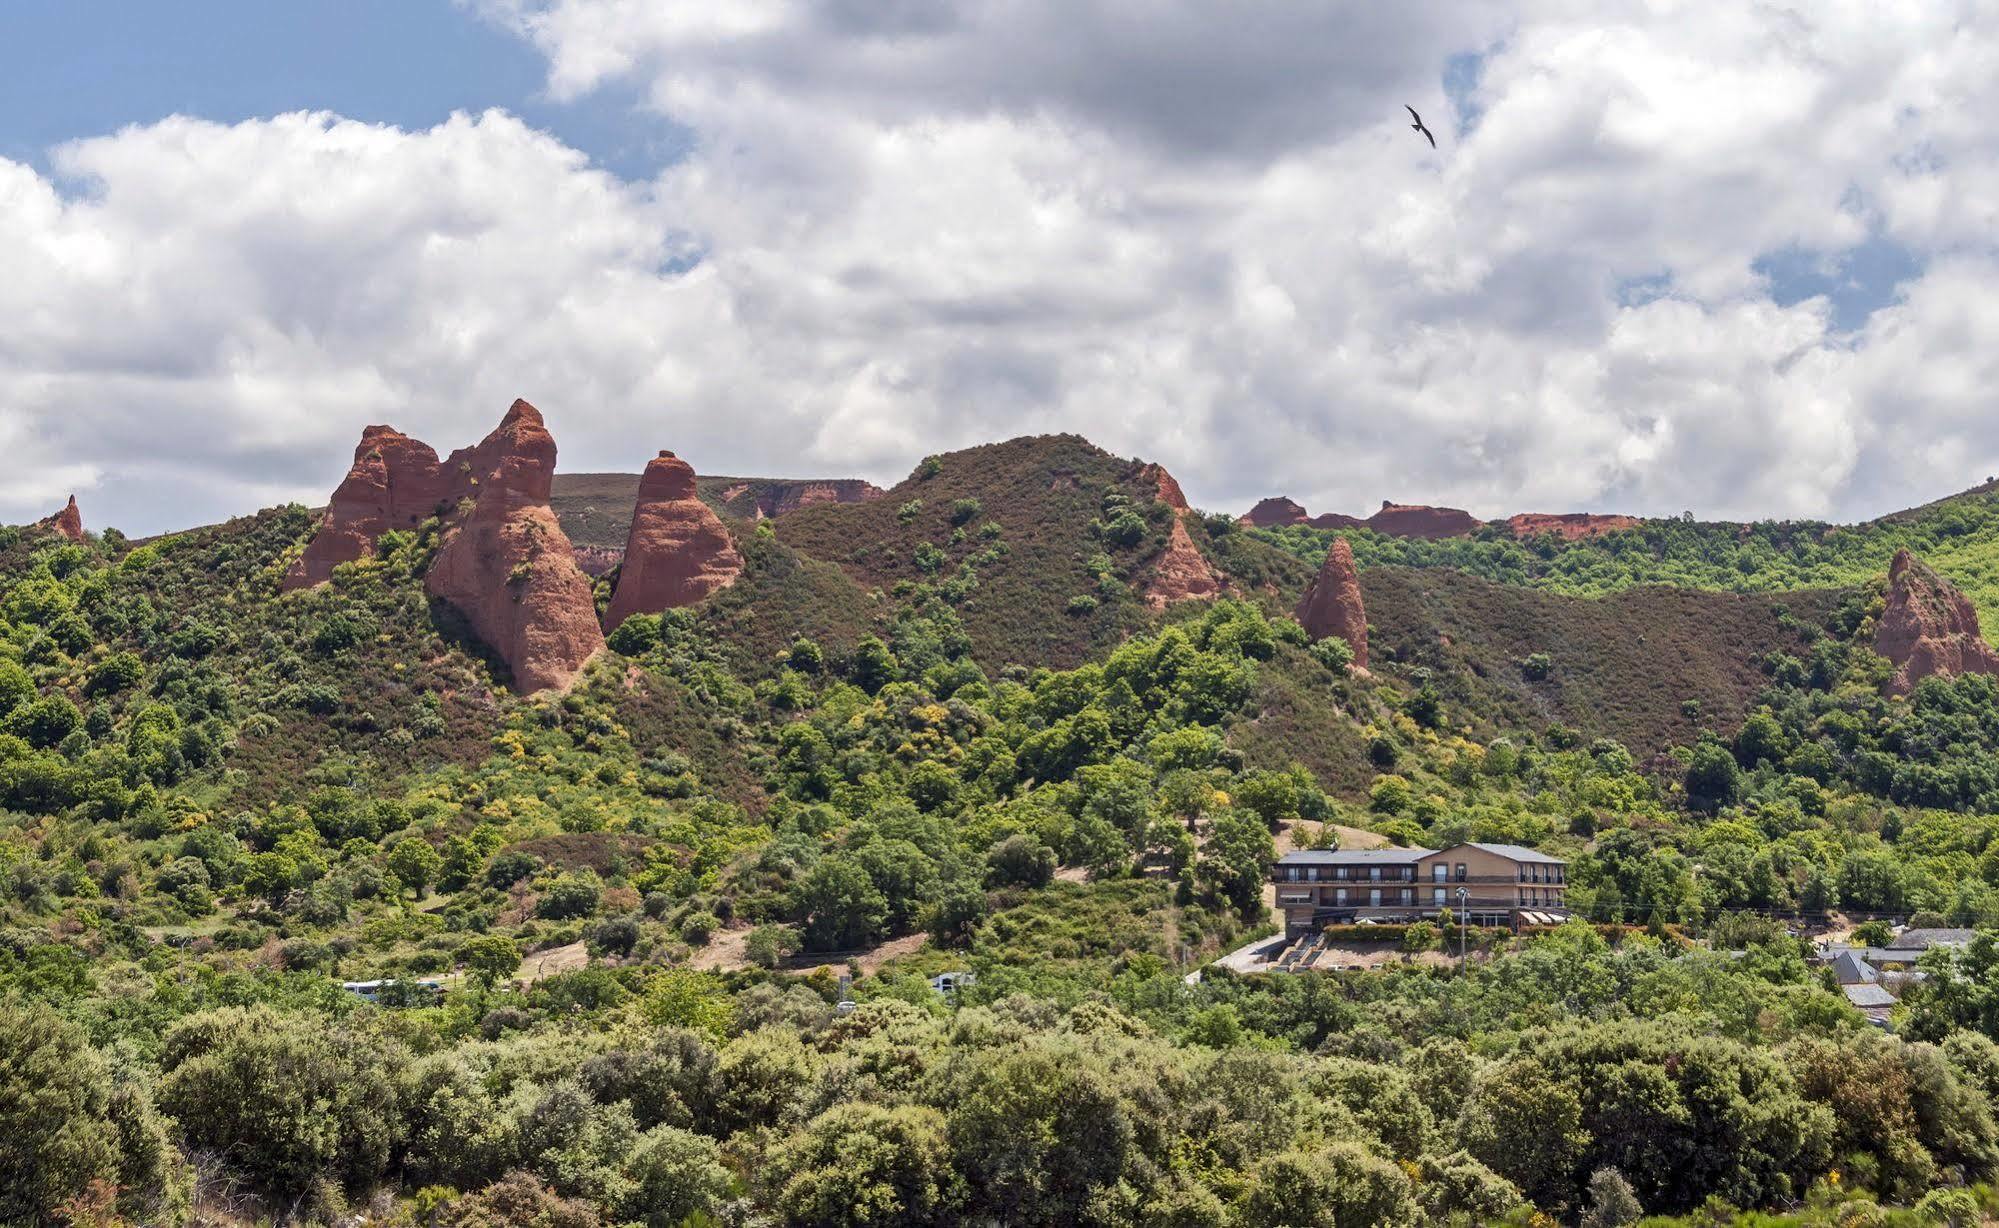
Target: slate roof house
1501 884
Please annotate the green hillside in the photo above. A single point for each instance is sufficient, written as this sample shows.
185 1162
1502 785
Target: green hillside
941 732
1959 536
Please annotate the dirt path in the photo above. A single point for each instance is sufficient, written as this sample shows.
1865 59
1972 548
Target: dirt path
726 950
543 964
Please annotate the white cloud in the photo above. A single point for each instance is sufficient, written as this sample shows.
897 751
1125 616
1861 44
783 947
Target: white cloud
1204 234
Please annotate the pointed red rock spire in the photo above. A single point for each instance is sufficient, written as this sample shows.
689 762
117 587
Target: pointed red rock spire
677 552
1332 605
1929 627
66 523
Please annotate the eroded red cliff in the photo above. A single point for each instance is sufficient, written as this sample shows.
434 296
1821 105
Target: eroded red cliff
1419 520
504 562
1569 526
394 483
1929 627
1332 604
1272 512
677 552
66 523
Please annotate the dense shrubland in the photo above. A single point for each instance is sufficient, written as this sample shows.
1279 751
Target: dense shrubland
217 802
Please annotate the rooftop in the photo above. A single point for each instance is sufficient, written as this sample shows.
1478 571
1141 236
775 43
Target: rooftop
1924 939
1354 857
1515 852
1868 995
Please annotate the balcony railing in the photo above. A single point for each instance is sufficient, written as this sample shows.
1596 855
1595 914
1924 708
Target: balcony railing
1283 878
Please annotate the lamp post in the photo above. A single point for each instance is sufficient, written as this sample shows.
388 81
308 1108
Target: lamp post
1463 921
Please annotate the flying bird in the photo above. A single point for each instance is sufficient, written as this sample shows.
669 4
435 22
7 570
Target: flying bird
1418 125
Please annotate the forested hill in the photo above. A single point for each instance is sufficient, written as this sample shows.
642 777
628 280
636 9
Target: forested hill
1959 536
1025 716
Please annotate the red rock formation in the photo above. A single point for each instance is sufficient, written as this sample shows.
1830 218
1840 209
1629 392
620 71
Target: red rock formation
1165 488
1569 526
66 523
782 497
678 552
1416 520
1181 573
1332 605
394 483
762 498
1929 627
1336 520
506 564
1275 511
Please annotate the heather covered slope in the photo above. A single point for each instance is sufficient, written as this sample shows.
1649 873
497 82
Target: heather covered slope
1650 667
1043 544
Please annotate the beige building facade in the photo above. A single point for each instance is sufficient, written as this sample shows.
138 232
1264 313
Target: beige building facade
1488 884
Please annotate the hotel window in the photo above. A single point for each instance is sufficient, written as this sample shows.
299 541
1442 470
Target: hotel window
1291 873
1339 895
1374 872
1437 896
1374 897
1461 871
1339 872
1440 873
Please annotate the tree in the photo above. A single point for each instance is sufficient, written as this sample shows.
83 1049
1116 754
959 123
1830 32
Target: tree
54 1092
675 1175
490 958
414 864
289 1101
864 1164
839 906
1338 1186
1037 1133
570 896
1611 1202
1237 860
1712 779
1020 861
770 945
957 914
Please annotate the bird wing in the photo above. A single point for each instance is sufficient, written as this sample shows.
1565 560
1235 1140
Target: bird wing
1412 112
1433 140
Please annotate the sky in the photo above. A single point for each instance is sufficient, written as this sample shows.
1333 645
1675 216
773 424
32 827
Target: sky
1722 257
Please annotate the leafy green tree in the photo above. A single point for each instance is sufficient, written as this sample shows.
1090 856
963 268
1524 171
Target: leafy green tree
1237 861
1611 1203
839 906
414 864
636 636
1037 1134
572 895
1020 860
1712 779
770 945
1339 1185
490 958
955 917
675 1177
288 1103
864 1164
54 1095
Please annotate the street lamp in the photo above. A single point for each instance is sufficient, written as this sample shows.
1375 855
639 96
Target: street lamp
1463 921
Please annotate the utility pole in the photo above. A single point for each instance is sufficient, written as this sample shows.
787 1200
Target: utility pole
1463 921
